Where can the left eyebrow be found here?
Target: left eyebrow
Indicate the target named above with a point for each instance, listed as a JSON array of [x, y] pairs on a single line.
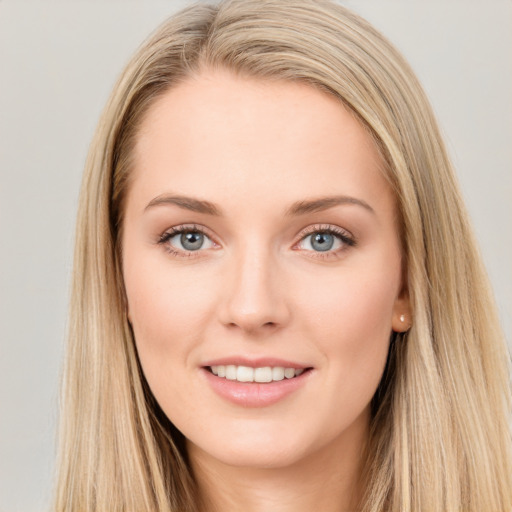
[[324, 203]]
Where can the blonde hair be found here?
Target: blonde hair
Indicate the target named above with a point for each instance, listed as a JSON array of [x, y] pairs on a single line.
[[440, 432]]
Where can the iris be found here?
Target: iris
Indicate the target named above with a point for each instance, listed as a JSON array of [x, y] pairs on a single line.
[[322, 241], [192, 241]]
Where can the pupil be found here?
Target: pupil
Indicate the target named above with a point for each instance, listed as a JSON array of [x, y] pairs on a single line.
[[322, 242], [192, 241]]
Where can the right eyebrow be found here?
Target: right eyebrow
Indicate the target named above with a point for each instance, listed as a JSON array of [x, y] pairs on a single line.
[[185, 202]]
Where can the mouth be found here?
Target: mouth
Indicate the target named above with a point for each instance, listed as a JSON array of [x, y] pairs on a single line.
[[256, 383], [263, 374]]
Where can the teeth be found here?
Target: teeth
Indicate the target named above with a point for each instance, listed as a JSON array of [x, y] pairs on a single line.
[[249, 374], [231, 372], [245, 374], [263, 374], [278, 373], [289, 373]]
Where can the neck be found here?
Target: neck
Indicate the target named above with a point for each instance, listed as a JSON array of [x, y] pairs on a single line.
[[328, 479]]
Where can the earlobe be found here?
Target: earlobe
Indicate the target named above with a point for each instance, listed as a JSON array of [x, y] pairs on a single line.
[[402, 324], [401, 320], [402, 317]]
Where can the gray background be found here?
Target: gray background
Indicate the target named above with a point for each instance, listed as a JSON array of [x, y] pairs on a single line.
[[58, 62]]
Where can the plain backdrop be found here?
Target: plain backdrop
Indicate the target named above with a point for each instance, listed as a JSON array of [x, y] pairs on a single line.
[[58, 62]]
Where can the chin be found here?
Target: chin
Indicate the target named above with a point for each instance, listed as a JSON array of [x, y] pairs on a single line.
[[264, 448], [271, 457]]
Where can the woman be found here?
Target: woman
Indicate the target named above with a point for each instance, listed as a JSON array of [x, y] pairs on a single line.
[[277, 298]]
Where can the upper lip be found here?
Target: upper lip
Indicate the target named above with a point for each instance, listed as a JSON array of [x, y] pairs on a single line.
[[258, 362]]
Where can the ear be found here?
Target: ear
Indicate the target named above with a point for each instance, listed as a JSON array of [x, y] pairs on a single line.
[[127, 309], [401, 320], [126, 306]]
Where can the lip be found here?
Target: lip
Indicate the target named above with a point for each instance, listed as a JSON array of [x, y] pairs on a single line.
[[258, 362], [255, 394]]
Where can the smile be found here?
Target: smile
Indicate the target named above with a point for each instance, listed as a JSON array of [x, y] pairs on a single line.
[[249, 374], [256, 386]]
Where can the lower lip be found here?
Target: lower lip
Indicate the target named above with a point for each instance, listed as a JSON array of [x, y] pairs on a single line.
[[255, 394]]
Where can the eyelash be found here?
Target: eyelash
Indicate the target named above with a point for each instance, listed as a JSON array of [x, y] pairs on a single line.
[[180, 230], [342, 235], [347, 240]]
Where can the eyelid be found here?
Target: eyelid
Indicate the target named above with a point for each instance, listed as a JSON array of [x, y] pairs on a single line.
[[326, 228], [171, 232], [347, 239]]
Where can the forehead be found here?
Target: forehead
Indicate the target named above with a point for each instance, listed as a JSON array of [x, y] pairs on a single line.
[[217, 134]]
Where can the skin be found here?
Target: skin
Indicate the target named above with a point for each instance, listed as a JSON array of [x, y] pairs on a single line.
[[258, 288]]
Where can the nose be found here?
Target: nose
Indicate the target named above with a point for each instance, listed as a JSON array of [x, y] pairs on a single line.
[[255, 298]]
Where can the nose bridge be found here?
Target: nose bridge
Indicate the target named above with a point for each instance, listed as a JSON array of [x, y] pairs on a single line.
[[255, 295]]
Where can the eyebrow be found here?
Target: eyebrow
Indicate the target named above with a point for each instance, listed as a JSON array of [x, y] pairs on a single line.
[[187, 203], [324, 203], [296, 209]]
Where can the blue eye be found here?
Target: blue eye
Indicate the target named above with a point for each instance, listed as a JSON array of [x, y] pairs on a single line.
[[185, 240], [191, 241], [322, 241], [325, 240]]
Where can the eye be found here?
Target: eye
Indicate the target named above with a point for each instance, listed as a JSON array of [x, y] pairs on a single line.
[[325, 239], [320, 242], [182, 240]]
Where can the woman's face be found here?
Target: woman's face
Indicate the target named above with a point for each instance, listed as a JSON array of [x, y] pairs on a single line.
[[260, 242]]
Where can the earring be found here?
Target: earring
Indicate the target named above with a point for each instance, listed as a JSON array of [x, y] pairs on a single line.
[[402, 318]]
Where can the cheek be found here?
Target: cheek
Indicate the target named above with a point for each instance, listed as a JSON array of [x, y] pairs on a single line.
[[167, 310], [351, 321], [154, 304], [352, 305]]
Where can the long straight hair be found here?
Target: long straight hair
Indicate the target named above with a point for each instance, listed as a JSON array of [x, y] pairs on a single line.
[[440, 429]]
